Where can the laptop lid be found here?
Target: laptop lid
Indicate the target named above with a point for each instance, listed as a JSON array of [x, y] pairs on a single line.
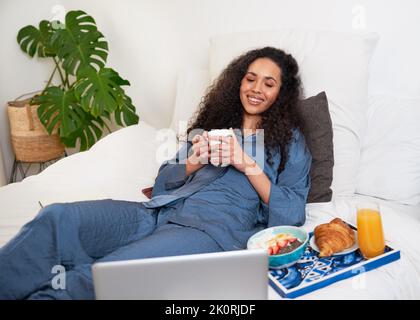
[[235, 275]]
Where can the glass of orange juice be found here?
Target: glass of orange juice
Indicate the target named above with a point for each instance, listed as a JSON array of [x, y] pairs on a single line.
[[370, 233]]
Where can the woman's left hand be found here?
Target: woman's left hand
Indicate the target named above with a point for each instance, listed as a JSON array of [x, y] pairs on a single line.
[[230, 152]]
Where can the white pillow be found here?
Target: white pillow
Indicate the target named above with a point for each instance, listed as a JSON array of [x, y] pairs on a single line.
[[117, 166], [191, 86], [390, 159], [334, 62]]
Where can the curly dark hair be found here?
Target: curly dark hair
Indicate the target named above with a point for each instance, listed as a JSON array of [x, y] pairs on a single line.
[[221, 107]]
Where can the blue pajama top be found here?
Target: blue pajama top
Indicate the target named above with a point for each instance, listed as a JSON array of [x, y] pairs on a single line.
[[222, 202]]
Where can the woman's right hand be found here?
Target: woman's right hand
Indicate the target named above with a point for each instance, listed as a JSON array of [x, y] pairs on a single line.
[[200, 147]]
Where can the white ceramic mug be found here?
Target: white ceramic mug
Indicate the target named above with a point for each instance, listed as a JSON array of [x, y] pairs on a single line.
[[212, 143]]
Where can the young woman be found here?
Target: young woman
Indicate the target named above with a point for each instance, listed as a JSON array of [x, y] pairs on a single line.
[[196, 207]]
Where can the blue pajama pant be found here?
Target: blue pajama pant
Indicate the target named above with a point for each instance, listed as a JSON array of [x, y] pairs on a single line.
[[76, 235]]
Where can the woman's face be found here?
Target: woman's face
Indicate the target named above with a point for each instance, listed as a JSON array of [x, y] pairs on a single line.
[[260, 86]]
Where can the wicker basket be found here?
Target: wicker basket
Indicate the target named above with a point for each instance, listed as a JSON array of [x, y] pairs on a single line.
[[30, 141]]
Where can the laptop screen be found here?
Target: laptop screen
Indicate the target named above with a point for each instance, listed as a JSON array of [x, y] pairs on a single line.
[[232, 275]]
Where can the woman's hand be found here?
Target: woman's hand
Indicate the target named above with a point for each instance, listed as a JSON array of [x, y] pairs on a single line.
[[230, 152], [200, 155], [200, 147]]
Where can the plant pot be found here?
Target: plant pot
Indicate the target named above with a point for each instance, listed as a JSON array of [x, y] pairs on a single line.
[[30, 140]]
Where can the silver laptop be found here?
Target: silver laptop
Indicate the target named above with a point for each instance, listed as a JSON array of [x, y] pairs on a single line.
[[235, 275]]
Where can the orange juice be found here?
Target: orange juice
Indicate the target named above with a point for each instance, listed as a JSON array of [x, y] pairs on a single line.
[[370, 233]]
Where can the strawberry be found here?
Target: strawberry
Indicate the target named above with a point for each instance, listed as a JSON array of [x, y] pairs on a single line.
[[276, 249], [282, 243]]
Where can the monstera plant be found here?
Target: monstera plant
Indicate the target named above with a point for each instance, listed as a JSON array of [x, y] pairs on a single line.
[[89, 92]]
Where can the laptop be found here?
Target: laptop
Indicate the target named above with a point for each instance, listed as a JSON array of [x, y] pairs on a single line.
[[235, 275]]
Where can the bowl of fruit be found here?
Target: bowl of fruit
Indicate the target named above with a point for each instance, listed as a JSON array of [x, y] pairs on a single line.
[[285, 244]]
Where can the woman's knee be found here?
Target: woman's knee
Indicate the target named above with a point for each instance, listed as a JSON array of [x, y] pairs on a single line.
[[52, 212]]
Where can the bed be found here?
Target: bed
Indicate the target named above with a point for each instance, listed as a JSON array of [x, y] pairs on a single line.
[[121, 175], [123, 163]]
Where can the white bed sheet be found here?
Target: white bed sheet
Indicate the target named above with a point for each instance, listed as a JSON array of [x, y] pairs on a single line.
[[123, 163]]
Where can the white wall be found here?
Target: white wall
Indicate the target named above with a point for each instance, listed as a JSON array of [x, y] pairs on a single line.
[[2, 171], [151, 40]]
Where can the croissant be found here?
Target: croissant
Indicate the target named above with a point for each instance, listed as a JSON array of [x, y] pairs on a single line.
[[333, 237]]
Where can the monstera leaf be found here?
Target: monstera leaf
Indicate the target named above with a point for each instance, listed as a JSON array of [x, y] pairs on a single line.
[[128, 111], [88, 133], [100, 91], [80, 44], [59, 107], [33, 40]]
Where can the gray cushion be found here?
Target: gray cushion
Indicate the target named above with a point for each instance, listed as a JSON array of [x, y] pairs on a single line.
[[316, 126]]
